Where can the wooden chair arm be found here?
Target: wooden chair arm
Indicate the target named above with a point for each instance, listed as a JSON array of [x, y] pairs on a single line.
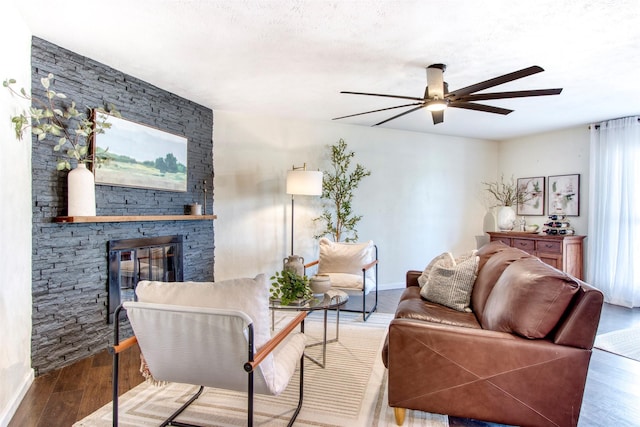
[[312, 263], [129, 342], [271, 345], [371, 264]]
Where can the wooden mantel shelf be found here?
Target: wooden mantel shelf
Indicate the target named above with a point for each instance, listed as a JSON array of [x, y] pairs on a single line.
[[132, 218]]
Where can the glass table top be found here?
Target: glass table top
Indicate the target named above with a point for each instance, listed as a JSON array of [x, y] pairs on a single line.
[[331, 299]]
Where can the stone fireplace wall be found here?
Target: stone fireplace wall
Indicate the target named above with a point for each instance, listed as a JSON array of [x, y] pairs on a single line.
[[70, 271]]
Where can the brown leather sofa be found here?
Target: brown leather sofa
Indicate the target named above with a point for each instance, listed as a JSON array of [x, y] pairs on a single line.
[[520, 358]]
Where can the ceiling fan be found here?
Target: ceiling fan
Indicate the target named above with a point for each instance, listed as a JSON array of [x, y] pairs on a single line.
[[437, 97]]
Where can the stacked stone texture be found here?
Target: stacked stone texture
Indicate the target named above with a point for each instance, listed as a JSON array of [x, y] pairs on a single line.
[[70, 269]]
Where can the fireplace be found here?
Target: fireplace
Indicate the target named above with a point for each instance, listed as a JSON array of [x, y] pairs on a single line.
[[133, 260]]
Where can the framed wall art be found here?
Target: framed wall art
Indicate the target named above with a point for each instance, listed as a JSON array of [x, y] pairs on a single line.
[[141, 156], [531, 193], [564, 195]]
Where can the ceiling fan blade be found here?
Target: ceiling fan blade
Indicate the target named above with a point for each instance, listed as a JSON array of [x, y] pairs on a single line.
[[383, 95], [375, 111], [399, 115], [512, 94], [437, 116], [480, 107], [456, 94]]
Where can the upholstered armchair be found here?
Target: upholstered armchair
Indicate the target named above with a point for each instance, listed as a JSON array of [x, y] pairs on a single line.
[[211, 335], [351, 267]]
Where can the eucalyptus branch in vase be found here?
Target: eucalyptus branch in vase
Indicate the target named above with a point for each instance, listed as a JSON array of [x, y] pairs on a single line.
[[47, 119]]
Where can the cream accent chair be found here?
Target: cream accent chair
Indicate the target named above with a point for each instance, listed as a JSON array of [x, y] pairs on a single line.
[[211, 335], [352, 267]]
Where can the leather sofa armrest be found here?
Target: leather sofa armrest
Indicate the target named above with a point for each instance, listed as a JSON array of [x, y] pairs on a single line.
[[412, 277]]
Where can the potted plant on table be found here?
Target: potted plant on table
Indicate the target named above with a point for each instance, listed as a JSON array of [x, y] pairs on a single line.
[[72, 131], [288, 287]]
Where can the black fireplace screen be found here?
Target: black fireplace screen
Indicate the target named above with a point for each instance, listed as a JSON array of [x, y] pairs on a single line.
[[133, 260]]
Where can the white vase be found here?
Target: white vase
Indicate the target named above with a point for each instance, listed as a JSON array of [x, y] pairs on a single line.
[[506, 218], [81, 192]]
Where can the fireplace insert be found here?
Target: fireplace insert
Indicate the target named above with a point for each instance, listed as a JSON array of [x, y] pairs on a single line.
[[149, 258]]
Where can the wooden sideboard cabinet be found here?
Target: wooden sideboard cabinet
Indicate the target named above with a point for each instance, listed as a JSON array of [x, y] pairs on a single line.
[[561, 252]]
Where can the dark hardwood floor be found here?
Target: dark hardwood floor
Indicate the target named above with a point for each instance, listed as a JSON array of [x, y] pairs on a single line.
[[64, 396]]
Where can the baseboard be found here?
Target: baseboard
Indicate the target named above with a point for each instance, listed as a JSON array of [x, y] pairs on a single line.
[[390, 286], [11, 409]]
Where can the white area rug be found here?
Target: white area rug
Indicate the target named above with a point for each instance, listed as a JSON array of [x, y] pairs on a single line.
[[351, 391], [625, 342]]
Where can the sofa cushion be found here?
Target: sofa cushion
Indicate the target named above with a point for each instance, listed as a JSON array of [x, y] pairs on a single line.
[[250, 296], [495, 257], [412, 306], [450, 284], [528, 299], [445, 258]]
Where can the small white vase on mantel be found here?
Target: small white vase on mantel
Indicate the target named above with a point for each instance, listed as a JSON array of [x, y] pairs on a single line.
[[81, 192], [506, 218]]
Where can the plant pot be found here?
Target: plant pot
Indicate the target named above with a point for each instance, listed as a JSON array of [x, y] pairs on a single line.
[[320, 283], [81, 192], [506, 218]]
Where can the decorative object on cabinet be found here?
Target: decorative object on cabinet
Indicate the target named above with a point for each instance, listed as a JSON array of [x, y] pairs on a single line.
[[558, 225], [142, 156], [564, 195], [530, 196], [506, 196], [562, 252], [337, 189], [506, 218], [301, 182]]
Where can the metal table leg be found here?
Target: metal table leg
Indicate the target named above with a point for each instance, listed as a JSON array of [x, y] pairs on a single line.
[[325, 341]]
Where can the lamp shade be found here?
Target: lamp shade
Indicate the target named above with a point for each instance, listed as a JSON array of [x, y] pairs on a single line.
[[304, 183]]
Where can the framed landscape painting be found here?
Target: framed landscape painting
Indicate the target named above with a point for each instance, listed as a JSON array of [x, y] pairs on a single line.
[[531, 193], [141, 156], [564, 195]]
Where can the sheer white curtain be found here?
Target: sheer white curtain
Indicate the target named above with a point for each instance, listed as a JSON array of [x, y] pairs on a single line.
[[614, 211]]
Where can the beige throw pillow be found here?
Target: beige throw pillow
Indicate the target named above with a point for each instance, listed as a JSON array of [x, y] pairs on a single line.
[[346, 258], [451, 284], [445, 259]]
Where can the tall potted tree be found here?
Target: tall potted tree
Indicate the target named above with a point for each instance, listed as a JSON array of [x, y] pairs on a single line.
[[338, 185]]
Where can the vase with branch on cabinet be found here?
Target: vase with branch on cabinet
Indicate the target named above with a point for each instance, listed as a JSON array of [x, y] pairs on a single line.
[[506, 196], [506, 218]]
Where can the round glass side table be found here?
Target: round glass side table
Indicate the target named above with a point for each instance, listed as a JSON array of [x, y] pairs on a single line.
[[332, 299]]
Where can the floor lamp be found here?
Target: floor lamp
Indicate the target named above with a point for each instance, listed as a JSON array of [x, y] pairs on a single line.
[[301, 182]]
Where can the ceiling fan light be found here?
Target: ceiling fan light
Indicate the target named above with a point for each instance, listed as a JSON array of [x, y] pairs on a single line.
[[436, 105]]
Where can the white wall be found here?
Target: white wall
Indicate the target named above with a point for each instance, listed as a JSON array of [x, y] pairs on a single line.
[[15, 221], [554, 153], [422, 198]]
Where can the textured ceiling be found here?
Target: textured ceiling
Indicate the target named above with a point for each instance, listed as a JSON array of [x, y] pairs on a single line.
[[291, 58]]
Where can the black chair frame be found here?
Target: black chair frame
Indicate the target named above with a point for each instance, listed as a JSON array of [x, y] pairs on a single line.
[[250, 366]]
